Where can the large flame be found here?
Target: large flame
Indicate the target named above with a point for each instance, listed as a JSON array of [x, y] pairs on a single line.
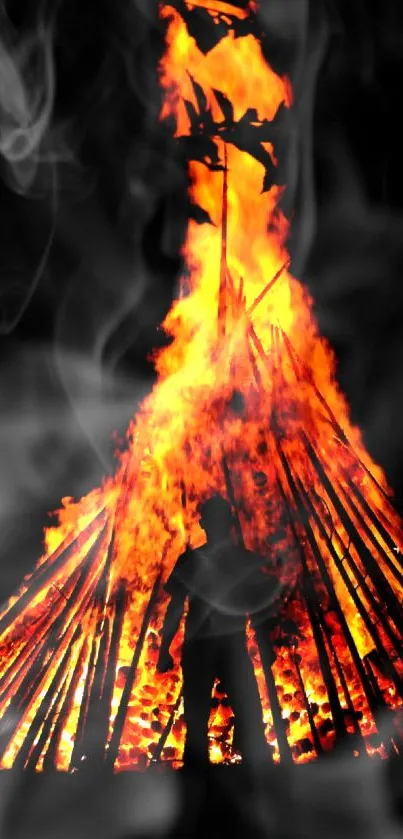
[[246, 392]]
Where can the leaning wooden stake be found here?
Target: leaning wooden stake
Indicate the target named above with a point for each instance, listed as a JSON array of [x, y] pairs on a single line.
[[45, 572], [315, 614], [384, 588], [47, 700], [37, 748], [353, 591], [348, 500], [90, 723], [378, 518], [333, 600], [267, 659], [346, 692], [167, 730], [77, 752], [104, 705], [113, 747], [34, 676], [304, 372], [222, 291], [314, 731], [51, 755]]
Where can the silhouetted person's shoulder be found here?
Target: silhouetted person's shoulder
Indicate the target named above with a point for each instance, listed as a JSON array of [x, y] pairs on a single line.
[[176, 582]]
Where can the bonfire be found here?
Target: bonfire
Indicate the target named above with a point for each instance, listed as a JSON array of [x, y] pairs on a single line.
[[246, 404]]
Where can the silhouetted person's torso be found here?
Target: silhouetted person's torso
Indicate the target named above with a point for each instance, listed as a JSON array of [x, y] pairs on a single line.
[[223, 583]]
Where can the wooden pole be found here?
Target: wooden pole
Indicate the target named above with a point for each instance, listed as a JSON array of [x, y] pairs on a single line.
[[113, 748], [316, 617], [314, 731], [378, 518], [93, 689], [303, 371], [222, 292], [45, 573], [268, 287], [113, 657], [267, 658], [77, 752], [50, 758], [37, 748], [98, 714], [383, 708], [383, 586], [167, 730], [49, 698], [370, 534], [328, 583], [358, 602], [344, 685], [60, 631], [34, 676]]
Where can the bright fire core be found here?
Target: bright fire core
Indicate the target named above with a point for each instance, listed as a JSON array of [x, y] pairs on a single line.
[[246, 404]]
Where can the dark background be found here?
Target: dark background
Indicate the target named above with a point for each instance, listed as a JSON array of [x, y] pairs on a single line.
[[112, 211]]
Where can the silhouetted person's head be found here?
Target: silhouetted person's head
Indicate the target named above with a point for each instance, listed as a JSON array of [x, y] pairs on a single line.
[[216, 518]]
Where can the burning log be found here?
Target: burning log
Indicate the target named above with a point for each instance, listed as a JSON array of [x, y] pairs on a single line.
[[316, 619], [95, 672], [376, 699], [315, 736], [267, 659], [101, 634], [25, 662], [222, 293], [303, 372], [308, 511], [59, 631], [44, 573], [102, 695], [370, 534], [371, 627], [52, 714], [344, 685], [268, 287], [167, 730], [25, 656], [50, 757], [394, 735], [376, 518], [77, 752], [310, 594], [384, 588], [54, 624], [256, 341], [331, 593], [94, 692], [45, 707], [253, 363], [113, 747]]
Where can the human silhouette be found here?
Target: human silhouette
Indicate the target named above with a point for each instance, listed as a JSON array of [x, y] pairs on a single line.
[[222, 584]]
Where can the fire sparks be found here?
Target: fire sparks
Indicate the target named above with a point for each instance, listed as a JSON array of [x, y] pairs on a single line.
[[246, 403]]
